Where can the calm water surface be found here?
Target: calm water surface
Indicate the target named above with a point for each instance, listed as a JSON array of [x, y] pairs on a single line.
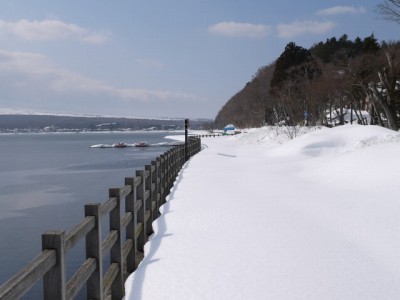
[[45, 180]]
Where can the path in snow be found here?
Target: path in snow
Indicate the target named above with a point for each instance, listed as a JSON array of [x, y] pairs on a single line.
[[252, 219]]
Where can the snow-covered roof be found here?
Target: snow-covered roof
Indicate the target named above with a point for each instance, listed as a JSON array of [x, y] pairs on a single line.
[[230, 127]]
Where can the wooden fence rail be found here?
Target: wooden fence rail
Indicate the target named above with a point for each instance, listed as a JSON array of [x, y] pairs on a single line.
[[143, 195]]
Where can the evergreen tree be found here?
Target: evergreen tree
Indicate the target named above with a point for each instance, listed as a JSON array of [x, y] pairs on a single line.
[[370, 44], [291, 57]]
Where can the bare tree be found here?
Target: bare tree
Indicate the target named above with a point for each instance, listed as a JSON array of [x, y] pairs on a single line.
[[209, 126], [390, 10], [384, 91], [382, 84]]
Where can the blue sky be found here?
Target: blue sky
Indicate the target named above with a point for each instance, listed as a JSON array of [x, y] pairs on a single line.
[[157, 58]]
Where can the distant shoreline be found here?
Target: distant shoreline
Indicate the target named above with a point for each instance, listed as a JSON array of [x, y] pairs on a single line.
[[90, 132], [54, 123]]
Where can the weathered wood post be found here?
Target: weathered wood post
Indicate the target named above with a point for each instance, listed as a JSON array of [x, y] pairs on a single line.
[[159, 183], [149, 200], [141, 239], [182, 154], [167, 172], [55, 279], [186, 140], [117, 287], [163, 178], [93, 249], [174, 163], [130, 203], [155, 183]]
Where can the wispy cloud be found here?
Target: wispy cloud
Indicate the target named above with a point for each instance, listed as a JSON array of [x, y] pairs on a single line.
[[234, 29], [339, 10], [22, 73], [306, 27], [51, 30]]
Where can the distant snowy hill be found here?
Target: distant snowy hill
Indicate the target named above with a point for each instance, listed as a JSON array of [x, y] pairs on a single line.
[[18, 119], [16, 111]]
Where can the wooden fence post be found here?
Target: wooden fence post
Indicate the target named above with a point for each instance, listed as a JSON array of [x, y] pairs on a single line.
[[93, 249], [156, 182], [130, 203], [54, 281], [176, 162], [182, 155], [163, 179], [117, 287], [170, 170], [186, 139], [149, 200], [167, 172], [141, 240]]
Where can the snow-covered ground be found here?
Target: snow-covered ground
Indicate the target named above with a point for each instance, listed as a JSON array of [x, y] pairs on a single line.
[[262, 216]]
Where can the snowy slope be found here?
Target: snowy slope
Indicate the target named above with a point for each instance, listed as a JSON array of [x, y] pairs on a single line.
[[260, 216]]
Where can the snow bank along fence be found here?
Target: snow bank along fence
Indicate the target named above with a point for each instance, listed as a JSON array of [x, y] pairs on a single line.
[[143, 195]]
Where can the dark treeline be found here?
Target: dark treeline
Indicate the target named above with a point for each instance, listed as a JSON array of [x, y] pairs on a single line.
[[315, 85]]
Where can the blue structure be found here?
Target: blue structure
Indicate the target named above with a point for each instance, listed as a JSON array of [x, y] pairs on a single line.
[[229, 128]]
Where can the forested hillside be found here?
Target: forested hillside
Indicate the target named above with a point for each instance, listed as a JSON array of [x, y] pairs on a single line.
[[316, 85]]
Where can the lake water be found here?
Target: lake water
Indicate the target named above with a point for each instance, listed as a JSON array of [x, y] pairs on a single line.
[[45, 180]]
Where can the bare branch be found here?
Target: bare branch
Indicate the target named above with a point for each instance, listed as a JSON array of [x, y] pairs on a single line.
[[390, 10]]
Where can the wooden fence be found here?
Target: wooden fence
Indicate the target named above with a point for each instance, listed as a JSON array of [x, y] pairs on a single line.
[[215, 134], [211, 135], [143, 195]]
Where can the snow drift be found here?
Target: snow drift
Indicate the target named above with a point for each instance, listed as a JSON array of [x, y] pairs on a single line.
[[260, 216]]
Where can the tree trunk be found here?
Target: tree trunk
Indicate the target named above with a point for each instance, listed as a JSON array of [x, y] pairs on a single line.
[[378, 98]]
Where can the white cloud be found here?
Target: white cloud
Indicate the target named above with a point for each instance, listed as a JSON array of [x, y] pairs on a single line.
[[25, 62], [339, 10], [51, 30], [306, 27], [31, 78], [233, 29]]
